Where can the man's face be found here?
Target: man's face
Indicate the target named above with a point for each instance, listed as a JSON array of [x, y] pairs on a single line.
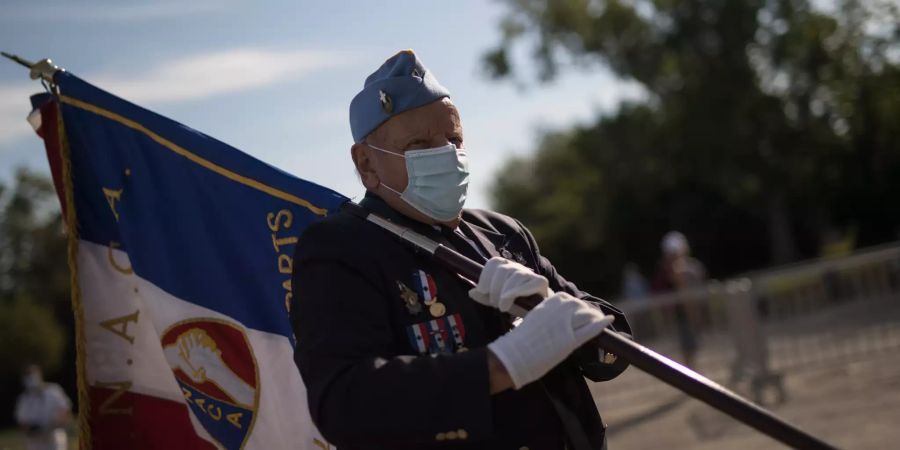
[[433, 125], [32, 377]]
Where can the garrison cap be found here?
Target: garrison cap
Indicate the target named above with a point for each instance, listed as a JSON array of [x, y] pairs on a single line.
[[400, 84]]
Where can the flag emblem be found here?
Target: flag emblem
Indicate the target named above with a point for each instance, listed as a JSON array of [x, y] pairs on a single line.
[[217, 373]]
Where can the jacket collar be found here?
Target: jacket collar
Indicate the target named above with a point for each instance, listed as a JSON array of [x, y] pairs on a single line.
[[377, 205], [489, 240]]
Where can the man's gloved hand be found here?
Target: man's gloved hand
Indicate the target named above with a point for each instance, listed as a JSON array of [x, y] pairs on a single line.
[[551, 331], [502, 281]]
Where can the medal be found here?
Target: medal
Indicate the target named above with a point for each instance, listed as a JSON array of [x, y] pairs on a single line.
[[410, 299], [442, 335], [438, 330], [436, 308], [457, 331], [427, 290]]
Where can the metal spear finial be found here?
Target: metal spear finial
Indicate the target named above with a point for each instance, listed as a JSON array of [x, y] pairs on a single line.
[[43, 69]]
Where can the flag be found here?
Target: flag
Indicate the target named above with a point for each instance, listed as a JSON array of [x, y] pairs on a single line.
[[180, 249]]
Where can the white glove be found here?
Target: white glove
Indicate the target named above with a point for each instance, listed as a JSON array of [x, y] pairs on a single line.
[[503, 281], [551, 331]]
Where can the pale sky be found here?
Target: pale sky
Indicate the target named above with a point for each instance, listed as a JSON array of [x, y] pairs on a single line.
[[275, 78]]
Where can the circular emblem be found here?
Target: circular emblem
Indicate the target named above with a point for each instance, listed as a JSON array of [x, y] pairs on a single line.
[[218, 375]]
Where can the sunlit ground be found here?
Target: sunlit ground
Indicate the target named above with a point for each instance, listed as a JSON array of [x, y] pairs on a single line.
[[842, 381], [12, 440]]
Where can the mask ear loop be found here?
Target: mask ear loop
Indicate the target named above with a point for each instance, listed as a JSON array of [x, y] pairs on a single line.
[[400, 155], [379, 179], [390, 188]]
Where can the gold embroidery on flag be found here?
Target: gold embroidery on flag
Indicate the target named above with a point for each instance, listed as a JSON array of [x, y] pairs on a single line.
[[119, 389]]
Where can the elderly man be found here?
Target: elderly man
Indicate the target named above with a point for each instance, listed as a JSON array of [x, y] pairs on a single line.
[[393, 350]]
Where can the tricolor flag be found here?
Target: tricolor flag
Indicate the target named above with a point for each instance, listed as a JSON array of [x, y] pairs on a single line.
[[181, 253]]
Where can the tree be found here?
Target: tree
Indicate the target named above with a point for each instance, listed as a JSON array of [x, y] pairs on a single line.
[[36, 321], [29, 333], [764, 118]]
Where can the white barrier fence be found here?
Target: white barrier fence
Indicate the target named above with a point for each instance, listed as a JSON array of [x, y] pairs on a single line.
[[750, 330]]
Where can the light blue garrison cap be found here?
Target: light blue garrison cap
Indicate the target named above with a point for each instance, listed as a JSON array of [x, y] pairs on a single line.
[[400, 84]]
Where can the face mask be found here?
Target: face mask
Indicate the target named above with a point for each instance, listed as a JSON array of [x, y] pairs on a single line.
[[438, 180], [31, 381]]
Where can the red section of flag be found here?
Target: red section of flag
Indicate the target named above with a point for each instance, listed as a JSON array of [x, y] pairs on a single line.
[[139, 422], [49, 132], [426, 335], [432, 288], [442, 328]]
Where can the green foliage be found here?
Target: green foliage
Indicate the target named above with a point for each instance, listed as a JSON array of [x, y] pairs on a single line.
[[32, 244], [36, 322], [767, 124], [29, 333]]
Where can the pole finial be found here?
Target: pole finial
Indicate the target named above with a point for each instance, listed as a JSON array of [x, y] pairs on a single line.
[[43, 69]]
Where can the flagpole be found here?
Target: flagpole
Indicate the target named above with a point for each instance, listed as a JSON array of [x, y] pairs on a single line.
[[664, 369], [43, 69]]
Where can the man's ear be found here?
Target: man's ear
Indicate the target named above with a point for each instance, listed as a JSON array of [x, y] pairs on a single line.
[[365, 166]]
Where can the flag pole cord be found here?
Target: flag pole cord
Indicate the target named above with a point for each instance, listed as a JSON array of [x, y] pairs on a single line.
[[651, 362]]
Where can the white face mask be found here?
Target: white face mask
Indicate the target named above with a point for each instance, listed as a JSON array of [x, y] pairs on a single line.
[[438, 179], [31, 381]]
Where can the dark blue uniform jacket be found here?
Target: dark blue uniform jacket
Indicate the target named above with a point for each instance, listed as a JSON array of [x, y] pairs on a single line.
[[387, 369]]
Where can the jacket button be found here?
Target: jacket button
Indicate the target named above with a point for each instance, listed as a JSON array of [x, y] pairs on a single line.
[[440, 436], [463, 434]]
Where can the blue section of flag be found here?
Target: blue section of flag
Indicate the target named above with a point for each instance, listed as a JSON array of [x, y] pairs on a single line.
[[202, 220], [417, 284]]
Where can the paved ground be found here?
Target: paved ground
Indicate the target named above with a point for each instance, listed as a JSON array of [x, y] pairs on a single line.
[[851, 400]]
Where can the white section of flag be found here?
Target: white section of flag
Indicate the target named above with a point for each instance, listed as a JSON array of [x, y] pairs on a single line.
[[436, 333], [34, 119], [283, 419]]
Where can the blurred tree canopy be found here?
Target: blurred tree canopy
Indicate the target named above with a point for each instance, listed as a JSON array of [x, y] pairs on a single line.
[[768, 124], [36, 321]]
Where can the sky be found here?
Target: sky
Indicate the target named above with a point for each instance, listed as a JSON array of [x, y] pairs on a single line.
[[275, 78]]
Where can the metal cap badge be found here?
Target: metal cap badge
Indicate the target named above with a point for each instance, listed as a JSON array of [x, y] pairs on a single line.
[[387, 105]]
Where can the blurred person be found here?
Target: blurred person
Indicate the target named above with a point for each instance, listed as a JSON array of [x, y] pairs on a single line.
[[42, 412], [836, 243], [678, 271], [634, 285], [393, 349], [636, 291]]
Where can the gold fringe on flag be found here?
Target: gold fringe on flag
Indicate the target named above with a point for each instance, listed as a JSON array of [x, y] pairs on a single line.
[[84, 428]]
